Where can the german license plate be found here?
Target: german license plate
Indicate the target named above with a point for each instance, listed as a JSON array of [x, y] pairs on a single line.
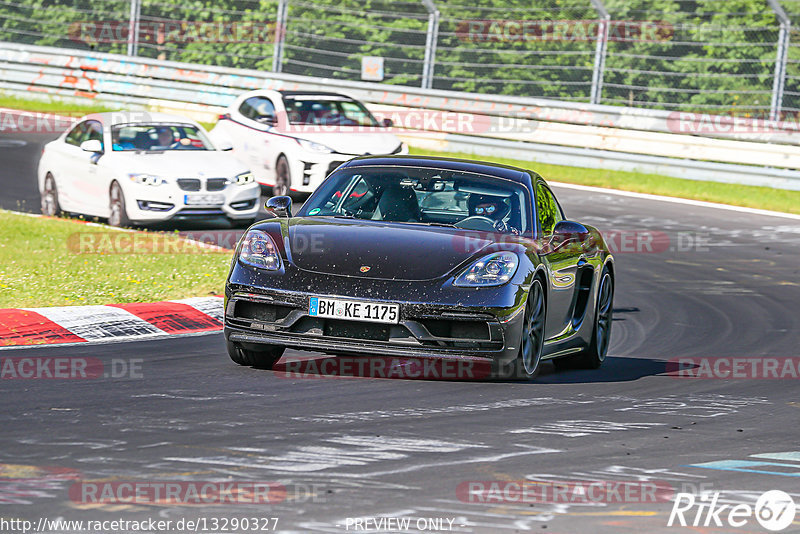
[[204, 200], [353, 310]]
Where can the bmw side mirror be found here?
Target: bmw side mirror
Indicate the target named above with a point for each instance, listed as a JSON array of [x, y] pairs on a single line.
[[92, 145], [388, 123], [279, 206]]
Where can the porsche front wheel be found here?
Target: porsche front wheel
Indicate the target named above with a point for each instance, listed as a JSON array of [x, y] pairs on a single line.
[[260, 359], [531, 345]]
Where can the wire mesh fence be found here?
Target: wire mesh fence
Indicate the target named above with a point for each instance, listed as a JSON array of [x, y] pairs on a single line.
[[739, 57]]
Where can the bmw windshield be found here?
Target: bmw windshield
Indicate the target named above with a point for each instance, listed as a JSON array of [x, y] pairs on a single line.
[[337, 111], [158, 137]]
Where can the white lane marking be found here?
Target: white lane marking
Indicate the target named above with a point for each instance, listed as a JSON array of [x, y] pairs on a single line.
[[98, 322], [675, 200], [374, 415], [211, 306], [579, 427]]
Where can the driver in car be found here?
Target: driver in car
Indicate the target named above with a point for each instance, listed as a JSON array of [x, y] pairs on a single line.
[[493, 208], [166, 138]]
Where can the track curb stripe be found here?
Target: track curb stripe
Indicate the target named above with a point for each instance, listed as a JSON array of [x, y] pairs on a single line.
[[172, 317], [113, 322], [26, 327]]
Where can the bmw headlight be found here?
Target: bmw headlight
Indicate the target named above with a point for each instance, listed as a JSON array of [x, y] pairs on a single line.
[[259, 250], [492, 270], [314, 147], [244, 178], [147, 179]]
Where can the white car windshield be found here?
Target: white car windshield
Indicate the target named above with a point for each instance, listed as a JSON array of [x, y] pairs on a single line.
[[333, 111], [158, 137]]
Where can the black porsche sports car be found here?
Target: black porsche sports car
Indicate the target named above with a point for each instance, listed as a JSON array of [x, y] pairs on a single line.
[[423, 256]]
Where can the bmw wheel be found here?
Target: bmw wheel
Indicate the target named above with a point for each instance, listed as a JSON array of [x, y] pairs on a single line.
[[118, 215], [283, 178], [50, 205]]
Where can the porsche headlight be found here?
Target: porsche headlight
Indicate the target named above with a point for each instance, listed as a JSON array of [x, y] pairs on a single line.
[[492, 270], [314, 147], [244, 178], [259, 250], [147, 179]]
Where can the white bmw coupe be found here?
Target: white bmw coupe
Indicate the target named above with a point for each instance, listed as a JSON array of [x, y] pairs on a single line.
[[292, 140], [141, 167]]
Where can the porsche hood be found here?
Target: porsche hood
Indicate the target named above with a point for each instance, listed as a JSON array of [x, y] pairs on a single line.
[[389, 251]]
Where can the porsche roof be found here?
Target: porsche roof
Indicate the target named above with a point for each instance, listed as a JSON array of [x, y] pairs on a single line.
[[492, 169]]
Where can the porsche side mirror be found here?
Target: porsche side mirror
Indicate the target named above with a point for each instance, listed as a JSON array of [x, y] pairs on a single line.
[[570, 229], [387, 123], [225, 146], [92, 145], [569, 233], [279, 206]]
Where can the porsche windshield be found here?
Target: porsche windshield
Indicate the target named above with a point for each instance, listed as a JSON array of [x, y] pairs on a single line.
[[337, 111], [158, 137], [424, 196]]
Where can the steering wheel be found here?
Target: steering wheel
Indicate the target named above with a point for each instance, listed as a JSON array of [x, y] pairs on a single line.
[[477, 222]]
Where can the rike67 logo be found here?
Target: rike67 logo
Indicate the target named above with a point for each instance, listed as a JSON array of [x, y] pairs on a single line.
[[774, 510]]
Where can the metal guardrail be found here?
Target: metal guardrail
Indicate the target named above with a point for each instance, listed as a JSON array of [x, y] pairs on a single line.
[[547, 131]]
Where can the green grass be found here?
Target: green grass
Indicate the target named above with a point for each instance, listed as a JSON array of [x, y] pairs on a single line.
[[58, 106], [72, 108], [765, 198], [41, 264]]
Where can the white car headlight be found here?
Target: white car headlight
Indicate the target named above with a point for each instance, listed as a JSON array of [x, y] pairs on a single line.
[[314, 147], [491, 270], [244, 178], [259, 250], [147, 179]]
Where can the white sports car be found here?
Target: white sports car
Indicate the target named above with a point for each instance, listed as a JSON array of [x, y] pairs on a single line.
[[141, 167], [292, 140]]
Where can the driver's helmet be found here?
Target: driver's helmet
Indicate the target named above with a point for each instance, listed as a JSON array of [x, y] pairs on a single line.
[[490, 206]]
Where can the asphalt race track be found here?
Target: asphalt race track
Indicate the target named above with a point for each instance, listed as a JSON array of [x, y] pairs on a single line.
[[719, 284]]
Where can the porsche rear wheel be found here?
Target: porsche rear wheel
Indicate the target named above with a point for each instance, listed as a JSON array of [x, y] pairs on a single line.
[[531, 346], [595, 353], [260, 359], [283, 178]]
